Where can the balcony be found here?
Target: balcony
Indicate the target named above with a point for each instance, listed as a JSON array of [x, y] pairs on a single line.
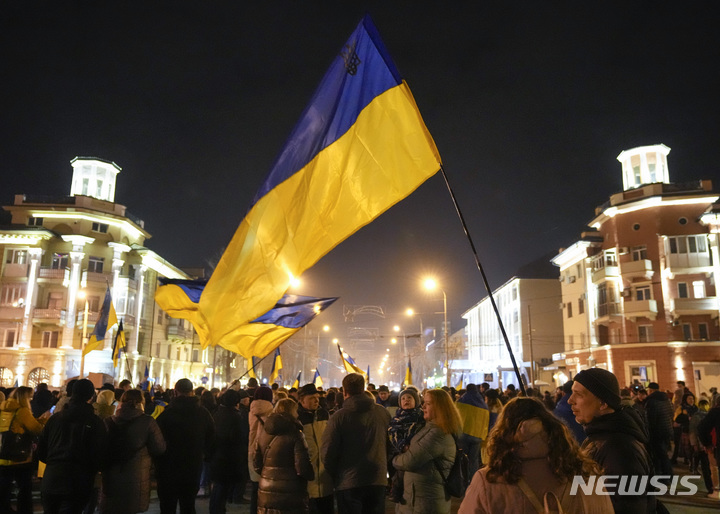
[[694, 306], [52, 273], [49, 314], [602, 274], [637, 269], [640, 309], [176, 333], [91, 276], [607, 313], [9, 313], [15, 270]]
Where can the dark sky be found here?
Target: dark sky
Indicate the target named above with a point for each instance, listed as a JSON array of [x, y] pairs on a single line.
[[529, 103]]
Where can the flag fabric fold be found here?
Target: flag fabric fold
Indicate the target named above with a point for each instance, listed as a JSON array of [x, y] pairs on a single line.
[[251, 368], [296, 384], [276, 367], [359, 147], [118, 344], [317, 379], [408, 374], [349, 363], [106, 319]]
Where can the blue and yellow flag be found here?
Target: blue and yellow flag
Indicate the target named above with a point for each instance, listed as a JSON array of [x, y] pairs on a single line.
[[251, 368], [460, 382], [349, 363], [106, 319], [119, 344], [179, 298], [359, 147], [276, 367], [408, 374], [296, 384], [317, 379]]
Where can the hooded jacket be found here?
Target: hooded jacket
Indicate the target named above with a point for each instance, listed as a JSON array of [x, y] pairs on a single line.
[[618, 443], [659, 411], [259, 411], [314, 423], [281, 459], [19, 420], [355, 444]]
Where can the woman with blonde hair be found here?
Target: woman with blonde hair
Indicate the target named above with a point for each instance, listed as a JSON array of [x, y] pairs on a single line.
[[103, 405], [16, 416], [532, 458], [282, 461], [430, 456]]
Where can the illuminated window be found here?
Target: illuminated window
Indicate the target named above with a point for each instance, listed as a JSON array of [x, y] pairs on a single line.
[[16, 256], [12, 295], [59, 261], [698, 289]]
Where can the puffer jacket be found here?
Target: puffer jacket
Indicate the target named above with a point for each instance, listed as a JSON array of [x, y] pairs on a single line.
[[314, 423], [618, 443], [134, 438], [355, 444], [659, 411], [19, 420], [281, 459], [424, 491], [259, 411]]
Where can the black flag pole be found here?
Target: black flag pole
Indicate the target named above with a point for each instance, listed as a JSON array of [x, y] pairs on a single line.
[[485, 280], [252, 368]]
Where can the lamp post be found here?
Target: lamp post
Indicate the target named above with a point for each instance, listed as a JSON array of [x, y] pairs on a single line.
[[83, 294], [431, 285]]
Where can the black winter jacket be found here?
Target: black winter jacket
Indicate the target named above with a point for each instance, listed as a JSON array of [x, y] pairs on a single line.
[[660, 413], [229, 461]]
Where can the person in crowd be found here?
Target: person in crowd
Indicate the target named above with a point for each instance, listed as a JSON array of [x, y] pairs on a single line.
[[72, 445], [683, 414], [354, 450], [16, 416], [705, 429], [135, 438], [124, 385], [495, 406], [314, 421], [238, 493], [228, 465], [42, 400], [678, 397], [430, 456], [260, 409], [207, 400], [189, 430], [616, 437], [700, 461], [251, 386], [65, 398], [659, 422], [564, 413], [531, 453], [475, 417], [383, 396], [407, 421], [281, 459], [104, 404]]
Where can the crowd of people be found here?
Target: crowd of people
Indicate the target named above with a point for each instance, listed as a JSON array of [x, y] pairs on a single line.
[[350, 449]]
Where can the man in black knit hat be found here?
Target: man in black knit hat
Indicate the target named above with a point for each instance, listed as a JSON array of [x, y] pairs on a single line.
[[616, 436]]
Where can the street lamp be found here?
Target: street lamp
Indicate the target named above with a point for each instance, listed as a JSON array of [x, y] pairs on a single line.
[[83, 295], [431, 285]]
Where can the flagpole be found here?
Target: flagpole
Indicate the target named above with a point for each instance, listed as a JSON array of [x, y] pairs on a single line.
[[485, 280], [84, 339], [252, 368]]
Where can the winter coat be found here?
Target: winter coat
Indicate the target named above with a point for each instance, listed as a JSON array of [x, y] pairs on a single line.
[[403, 427], [424, 490], [564, 413], [705, 427], [483, 496], [355, 444], [314, 423], [259, 411], [659, 412], [281, 459], [23, 421], [73, 446], [188, 430], [134, 437], [41, 402], [694, 424], [617, 442], [229, 463]]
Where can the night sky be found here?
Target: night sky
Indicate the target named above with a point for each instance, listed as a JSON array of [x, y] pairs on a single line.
[[529, 104]]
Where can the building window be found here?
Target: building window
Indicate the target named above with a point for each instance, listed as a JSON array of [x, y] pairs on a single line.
[[95, 264], [169, 349], [59, 261], [93, 303], [687, 331], [8, 337], [642, 293], [645, 333], [35, 222], [12, 295], [16, 257], [682, 290], [160, 317], [581, 306], [579, 270], [50, 339], [195, 355], [569, 309], [639, 253], [514, 293], [607, 300], [688, 244], [698, 289], [177, 354], [703, 333], [100, 227]]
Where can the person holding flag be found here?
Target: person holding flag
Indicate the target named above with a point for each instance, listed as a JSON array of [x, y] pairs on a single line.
[[276, 367]]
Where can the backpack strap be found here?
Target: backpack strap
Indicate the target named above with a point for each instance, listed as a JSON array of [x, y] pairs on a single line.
[[531, 496]]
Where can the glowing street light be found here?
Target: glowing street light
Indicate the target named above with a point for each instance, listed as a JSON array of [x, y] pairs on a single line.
[[430, 284]]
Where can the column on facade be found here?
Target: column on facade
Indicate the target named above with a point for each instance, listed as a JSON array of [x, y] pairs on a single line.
[[139, 300], [34, 255], [73, 286]]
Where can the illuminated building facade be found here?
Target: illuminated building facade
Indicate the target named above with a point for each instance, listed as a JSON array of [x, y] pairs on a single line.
[[59, 256], [639, 288]]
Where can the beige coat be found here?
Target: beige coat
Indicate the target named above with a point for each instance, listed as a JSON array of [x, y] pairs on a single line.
[[259, 411]]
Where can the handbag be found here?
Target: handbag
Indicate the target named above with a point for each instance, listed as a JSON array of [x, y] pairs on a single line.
[[457, 480], [13, 446]]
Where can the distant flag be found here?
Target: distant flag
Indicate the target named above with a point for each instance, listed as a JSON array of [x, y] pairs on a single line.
[[349, 363], [251, 368], [17, 382], [106, 319], [179, 299], [460, 382], [146, 378], [118, 344], [276, 367], [368, 373], [408, 374], [296, 384], [359, 147], [317, 379]]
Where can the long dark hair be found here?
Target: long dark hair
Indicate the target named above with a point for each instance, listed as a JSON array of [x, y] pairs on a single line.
[[566, 459]]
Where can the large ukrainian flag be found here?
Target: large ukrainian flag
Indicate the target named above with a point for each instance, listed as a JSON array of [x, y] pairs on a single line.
[[359, 147]]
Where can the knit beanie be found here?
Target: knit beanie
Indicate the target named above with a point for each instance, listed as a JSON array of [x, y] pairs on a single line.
[[83, 390], [603, 384], [263, 393], [412, 393]]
